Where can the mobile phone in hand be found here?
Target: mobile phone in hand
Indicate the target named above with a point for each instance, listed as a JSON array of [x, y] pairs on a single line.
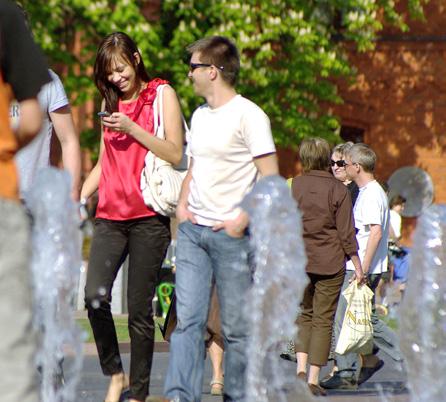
[[104, 114]]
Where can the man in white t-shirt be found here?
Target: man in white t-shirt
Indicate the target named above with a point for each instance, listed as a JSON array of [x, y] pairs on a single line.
[[230, 146], [371, 213], [36, 155]]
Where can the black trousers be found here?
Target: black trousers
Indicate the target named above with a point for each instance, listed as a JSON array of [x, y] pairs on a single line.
[[145, 241]]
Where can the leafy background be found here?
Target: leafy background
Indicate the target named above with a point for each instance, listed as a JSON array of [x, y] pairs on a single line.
[[292, 51]]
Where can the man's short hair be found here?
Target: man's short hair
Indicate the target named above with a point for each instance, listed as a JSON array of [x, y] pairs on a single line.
[[220, 52], [314, 154], [364, 155]]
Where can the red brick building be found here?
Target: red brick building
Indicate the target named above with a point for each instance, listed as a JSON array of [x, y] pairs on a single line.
[[398, 103]]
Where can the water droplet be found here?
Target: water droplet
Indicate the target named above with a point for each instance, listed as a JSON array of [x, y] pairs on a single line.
[[102, 291], [108, 263], [95, 303], [435, 286], [433, 243], [415, 348], [437, 261]]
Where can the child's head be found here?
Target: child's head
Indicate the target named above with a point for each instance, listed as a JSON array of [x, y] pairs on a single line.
[[397, 203], [118, 68]]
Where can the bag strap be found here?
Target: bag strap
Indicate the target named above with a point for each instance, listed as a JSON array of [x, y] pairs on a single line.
[[158, 112]]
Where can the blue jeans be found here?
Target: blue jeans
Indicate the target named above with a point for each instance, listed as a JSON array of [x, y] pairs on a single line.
[[201, 254]]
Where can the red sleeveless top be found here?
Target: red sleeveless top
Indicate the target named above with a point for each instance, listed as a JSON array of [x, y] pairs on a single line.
[[119, 190]]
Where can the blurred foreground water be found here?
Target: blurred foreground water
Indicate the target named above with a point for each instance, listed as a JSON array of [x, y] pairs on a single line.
[[56, 263], [279, 283], [423, 311]]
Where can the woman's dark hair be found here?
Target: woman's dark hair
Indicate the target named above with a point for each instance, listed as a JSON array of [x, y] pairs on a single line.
[[116, 44]]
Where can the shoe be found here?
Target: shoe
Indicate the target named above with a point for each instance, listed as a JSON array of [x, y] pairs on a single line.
[[336, 381], [289, 357], [289, 353], [366, 372], [217, 387], [317, 390], [375, 349]]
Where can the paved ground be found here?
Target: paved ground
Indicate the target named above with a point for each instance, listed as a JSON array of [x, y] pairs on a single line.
[[390, 380]]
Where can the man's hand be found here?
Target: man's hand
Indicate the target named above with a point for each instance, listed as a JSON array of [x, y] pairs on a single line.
[[360, 276], [234, 227], [183, 214]]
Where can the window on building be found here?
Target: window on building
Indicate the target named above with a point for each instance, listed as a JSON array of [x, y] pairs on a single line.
[[353, 134]]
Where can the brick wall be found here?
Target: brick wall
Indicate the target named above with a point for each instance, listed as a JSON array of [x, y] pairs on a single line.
[[399, 100]]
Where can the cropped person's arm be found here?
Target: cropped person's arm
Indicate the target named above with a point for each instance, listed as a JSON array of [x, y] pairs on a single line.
[[24, 68], [71, 155]]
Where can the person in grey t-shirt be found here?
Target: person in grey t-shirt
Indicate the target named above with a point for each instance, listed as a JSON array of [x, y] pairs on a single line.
[[57, 117]]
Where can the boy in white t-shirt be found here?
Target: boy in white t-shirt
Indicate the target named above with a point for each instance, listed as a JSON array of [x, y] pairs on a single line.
[[396, 208], [371, 213], [230, 146]]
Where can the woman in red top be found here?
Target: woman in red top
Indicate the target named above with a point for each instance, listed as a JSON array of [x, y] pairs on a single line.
[[124, 224]]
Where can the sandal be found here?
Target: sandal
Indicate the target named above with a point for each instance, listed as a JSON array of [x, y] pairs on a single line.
[[217, 387]]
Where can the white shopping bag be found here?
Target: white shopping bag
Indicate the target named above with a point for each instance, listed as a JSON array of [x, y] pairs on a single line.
[[357, 331]]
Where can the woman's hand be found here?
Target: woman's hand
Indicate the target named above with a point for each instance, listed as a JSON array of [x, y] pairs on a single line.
[[360, 277], [119, 122]]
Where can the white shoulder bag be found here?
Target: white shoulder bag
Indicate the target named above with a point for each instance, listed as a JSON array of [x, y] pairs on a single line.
[[160, 180]]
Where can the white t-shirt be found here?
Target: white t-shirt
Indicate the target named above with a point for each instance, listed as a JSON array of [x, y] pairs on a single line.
[[223, 144], [372, 208], [36, 154], [395, 224]]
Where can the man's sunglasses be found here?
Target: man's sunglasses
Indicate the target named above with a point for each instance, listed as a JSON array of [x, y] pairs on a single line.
[[194, 66], [339, 163]]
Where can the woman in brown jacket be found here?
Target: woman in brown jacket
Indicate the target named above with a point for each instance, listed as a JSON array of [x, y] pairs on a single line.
[[329, 236]]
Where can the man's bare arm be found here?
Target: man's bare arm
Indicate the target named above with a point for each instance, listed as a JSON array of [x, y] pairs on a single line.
[[30, 121], [267, 164], [182, 212], [71, 155], [372, 246]]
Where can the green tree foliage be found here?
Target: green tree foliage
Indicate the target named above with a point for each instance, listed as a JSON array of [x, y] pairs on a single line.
[[291, 50]]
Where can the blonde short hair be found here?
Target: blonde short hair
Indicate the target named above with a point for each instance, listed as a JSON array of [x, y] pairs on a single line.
[[363, 155]]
